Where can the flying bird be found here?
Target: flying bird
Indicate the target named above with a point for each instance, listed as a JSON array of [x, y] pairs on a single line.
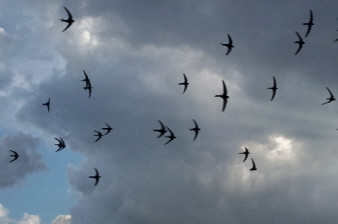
[[15, 155], [99, 135], [61, 144], [171, 136], [162, 131], [196, 129], [108, 129], [47, 104], [228, 45], [185, 83], [335, 40], [309, 24], [224, 96], [86, 79], [253, 165], [330, 99], [246, 153], [273, 88], [300, 43], [96, 177], [69, 20]]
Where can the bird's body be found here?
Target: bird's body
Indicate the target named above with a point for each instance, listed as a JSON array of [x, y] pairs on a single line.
[[86, 79], [171, 136], [246, 153], [69, 20], [15, 155], [47, 104], [329, 99], [162, 131], [228, 45], [300, 43], [309, 24], [185, 83], [224, 96], [108, 129], [273, 88], [253, 165], [96, 177], [89, 87], [196, 129]]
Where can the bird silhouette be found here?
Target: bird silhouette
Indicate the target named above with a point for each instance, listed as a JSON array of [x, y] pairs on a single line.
[[47, 104], [89, 87], [300, 43], [171, 136], [228, 45], [185, 83], [196, 129], [99, 135], [61, 144], [86, 79], [69, 20], [273, 88], [329, 99], [246, 153], [108, 129], [253, 165], [224, 96], [309, 24], [162, 131], [335, 40], [15, 155], [96, 177]]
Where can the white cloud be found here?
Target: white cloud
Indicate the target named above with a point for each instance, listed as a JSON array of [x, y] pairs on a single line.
[[62, 219]]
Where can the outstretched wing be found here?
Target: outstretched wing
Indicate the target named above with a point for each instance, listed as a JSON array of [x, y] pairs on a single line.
[[70, 17]]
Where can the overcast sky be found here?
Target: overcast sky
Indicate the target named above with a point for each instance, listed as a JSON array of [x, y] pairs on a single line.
[[135, 54]]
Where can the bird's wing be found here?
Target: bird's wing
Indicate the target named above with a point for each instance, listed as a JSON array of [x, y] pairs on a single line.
[[309, 24], [274, 82], [246, 156], [196, 126], [273, 94], [96, 172], [70, 17], [162, 126], [225, 92], [331, 95], [246, 150], [90, 92], [66, 27], [230, 40], [185, 78], [253, 163]]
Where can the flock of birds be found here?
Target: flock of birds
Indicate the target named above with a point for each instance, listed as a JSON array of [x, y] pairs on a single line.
[[164, 129]]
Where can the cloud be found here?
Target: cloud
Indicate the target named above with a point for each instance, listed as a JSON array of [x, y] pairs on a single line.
[[62, 219]]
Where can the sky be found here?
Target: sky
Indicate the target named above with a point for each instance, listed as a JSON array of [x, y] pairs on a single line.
[[135, 54]]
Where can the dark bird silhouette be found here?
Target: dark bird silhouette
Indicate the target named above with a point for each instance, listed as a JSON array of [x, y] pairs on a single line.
[[185, 83], [108, 129], [96, 177], [300, 43], [224, 96], [196, 129], [162, 131], [246, 153], [89, 87], [228, 45], [273, 88], [61, 144], [69, 20], [15, 155], [99, 135], [335, 40], [47, 104], [309, 24], [171, 136], [330, 99], [253, 165], [86, 79]]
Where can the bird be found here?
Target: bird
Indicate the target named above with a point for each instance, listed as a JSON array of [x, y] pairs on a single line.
[[329, 99], [224, 96], [86, 79], [162, 131], [335, 40], [196, 129], [309, 24], [171, 136], [108, 129], [89, 87], [300, 43], [69, 20], [246, 153], [185, 83], [15, 155], [99, 135], [96, 177], [47, 104], [228, 45], [274, 88], [61, 144], [253, 165]]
